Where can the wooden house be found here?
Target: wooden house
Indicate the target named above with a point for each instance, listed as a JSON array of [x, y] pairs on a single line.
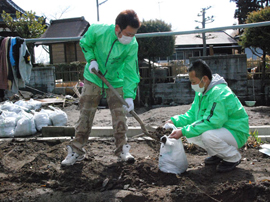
[[67, 51], [217, 43]]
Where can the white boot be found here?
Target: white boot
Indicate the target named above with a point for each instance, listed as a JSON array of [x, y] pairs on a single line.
[[125, 155], [72, 157]]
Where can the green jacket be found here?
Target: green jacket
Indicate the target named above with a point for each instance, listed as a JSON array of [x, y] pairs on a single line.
[[217, 107], [117, 62]]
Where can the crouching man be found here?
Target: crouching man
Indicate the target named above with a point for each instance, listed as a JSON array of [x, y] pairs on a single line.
[[216, 121]]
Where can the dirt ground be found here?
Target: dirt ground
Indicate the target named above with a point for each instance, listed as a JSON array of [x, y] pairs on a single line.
[[30, 170]]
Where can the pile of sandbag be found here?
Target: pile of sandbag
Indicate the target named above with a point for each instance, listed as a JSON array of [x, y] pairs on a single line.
[[22, 118]]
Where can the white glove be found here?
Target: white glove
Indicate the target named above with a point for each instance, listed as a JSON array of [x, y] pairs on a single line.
[[130, 103], [93, 65]]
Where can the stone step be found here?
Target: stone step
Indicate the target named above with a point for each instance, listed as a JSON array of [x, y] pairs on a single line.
[[263, 132]]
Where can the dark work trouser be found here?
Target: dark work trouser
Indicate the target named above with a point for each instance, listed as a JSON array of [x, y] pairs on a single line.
[[89, 100]]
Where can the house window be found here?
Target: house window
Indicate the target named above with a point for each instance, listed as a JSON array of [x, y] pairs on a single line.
[[188, 55], [179, 55], [196, 53]]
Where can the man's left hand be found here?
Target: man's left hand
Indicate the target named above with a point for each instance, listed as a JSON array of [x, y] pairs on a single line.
[[176, 134]]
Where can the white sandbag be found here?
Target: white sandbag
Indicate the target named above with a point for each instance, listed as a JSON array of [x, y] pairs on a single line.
[[172, 158], [7, 126], [9, 106], [29, 105], [21, 103], [42, 119], [25, 125], [34, 104], [58, 117], [8, 114], [49, 112]]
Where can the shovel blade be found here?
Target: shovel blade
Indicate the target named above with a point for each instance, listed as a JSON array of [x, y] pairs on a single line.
[[150, 128]]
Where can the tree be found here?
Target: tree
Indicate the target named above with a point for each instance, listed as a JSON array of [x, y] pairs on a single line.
[[258, 37], [26, 25], [244, 7], [153, 47]]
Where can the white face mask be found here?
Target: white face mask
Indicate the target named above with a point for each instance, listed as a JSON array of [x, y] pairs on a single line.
[[124, 39], [197, 88]]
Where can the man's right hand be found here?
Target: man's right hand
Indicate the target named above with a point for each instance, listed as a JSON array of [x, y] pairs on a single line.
[[93, 65], [169, 121], [176, 134]]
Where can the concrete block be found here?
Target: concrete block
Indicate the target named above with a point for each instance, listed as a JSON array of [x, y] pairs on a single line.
[[56, 131], [262, 130]]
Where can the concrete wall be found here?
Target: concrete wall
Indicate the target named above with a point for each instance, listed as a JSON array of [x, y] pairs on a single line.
[[232, 67], [43, 79]]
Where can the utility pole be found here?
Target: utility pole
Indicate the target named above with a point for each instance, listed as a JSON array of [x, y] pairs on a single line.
[[98, 4], [159, 2], [203, 22]]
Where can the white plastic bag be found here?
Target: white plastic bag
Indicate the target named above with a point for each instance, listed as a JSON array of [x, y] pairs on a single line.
[[25, 125], [29, 105], [172, 158], [169, 125], [6, 114], [21, 103], [34, 104], [7, 126], [58, 117], [42, 119], [9, 106]]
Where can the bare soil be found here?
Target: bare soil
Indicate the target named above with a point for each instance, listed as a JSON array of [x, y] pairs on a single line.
[[30, 170]]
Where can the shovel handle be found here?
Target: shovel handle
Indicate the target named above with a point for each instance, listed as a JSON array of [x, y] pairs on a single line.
[[110, 86], [132, 112]]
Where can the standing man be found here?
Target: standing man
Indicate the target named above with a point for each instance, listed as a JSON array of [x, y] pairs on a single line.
[[112, 50], [216, 121]]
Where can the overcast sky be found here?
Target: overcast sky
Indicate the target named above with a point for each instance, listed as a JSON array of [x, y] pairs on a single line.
[[181, 14]]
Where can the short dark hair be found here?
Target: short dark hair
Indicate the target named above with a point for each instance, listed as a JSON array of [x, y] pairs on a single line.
[[128, 18], [201, 69]]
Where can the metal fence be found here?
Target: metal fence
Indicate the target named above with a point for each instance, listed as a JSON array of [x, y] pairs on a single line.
[[75, 73], [158, 34]]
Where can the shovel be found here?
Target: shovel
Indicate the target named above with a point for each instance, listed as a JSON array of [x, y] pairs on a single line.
[[132, 112]]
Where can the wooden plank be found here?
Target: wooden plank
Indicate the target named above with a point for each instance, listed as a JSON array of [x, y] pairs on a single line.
[[51, 100]]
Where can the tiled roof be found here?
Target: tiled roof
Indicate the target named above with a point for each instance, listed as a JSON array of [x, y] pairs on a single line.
[[17, 8], [70, 27], [9, 7]]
